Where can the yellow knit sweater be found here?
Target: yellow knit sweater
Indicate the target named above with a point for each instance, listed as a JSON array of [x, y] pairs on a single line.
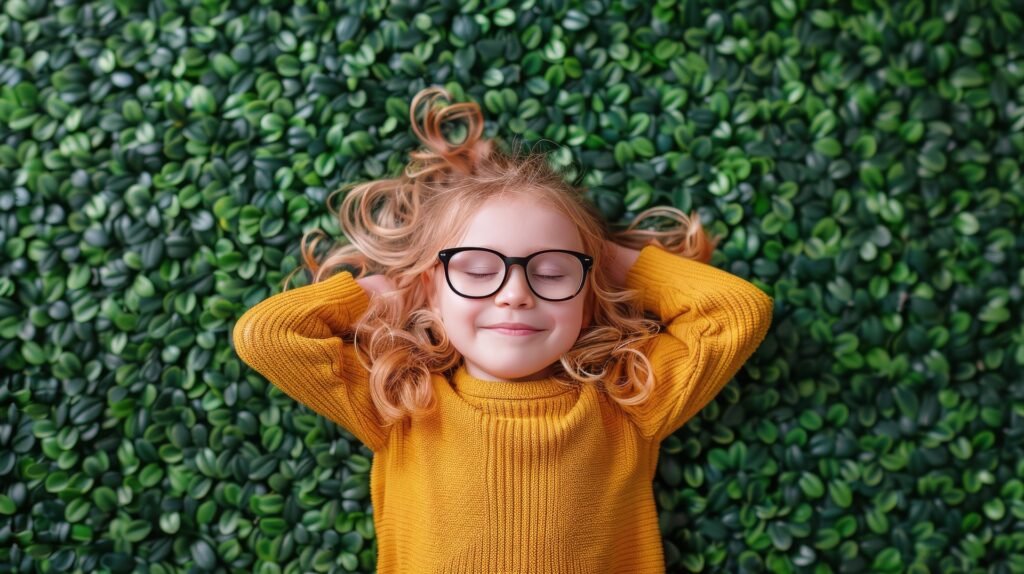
[[516, 476]]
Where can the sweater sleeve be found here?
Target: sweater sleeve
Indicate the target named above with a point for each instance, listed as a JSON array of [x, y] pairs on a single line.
[[714, 321], [293, 339]]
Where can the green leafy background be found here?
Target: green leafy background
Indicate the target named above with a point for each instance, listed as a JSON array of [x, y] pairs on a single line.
[[159, 161]]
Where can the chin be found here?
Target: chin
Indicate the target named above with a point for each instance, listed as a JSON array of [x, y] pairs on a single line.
[[514, 376]]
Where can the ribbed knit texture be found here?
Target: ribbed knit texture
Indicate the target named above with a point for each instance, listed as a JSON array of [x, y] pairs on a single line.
[[516, 476]]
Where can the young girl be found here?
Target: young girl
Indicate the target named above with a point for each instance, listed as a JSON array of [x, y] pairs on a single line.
[[499, 363]]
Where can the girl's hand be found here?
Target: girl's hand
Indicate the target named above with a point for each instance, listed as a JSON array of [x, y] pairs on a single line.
[[376, 284], [622, 260]]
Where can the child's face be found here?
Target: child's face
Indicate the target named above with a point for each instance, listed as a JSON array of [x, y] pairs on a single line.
[[516, 228]]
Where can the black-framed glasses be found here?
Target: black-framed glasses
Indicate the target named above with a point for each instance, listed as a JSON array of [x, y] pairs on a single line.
[[479, 272]]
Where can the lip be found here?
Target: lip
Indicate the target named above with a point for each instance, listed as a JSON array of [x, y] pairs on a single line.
[[513, 332], [517, 329], [506, 325]]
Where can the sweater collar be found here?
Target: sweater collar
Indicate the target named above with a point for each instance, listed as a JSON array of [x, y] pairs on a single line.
[[532, 389]]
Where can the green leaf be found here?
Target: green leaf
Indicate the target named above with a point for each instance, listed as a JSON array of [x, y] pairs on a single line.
[[504, 17], [829, 147], [811, 485], [784, 9], [967, 77], [966, 223], [823, 19], [7, 505], [840, 493]]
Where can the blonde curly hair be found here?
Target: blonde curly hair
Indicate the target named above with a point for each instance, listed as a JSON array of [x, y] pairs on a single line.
[[396, 226]]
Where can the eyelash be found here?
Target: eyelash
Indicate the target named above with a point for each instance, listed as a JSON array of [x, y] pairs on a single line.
[[486, 274]]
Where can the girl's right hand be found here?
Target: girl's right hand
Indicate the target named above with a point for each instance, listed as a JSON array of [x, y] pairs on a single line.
[[376, 284]]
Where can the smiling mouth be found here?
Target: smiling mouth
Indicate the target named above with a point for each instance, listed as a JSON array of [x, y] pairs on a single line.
[[515, 332]]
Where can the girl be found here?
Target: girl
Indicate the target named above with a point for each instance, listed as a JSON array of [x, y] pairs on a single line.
[[499, 363]]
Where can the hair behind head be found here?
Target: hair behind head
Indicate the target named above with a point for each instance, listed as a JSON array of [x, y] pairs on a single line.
[[396, 226]]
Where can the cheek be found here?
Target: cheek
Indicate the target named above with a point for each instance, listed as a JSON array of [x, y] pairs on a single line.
[[460, 313], [572, 317], [588, 312]]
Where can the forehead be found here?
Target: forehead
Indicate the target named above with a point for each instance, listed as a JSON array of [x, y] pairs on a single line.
[[519, 227]]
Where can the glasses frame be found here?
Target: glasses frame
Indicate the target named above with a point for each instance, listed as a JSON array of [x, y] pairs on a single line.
[[445, 256]]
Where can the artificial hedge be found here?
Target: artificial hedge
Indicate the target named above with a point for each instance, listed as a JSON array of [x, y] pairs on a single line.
[[159, 161]]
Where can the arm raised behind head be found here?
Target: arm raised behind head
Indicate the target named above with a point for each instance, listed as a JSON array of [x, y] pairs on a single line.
[[714, 322], [294, 339]]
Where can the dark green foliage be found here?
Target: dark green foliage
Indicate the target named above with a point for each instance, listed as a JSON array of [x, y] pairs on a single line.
[[159, 162]]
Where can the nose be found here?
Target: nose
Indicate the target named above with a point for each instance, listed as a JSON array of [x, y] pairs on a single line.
[[515, 291]]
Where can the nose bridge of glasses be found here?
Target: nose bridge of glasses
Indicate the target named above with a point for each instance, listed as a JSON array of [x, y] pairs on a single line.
[[510, 269]]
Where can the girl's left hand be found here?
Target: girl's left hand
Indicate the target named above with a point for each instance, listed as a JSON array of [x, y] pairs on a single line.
[[621, 261]]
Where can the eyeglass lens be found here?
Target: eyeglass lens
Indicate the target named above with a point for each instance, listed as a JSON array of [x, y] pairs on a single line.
[[553, 275]]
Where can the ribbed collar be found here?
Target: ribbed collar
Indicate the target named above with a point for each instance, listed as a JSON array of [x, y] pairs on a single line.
[[535, 389]]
